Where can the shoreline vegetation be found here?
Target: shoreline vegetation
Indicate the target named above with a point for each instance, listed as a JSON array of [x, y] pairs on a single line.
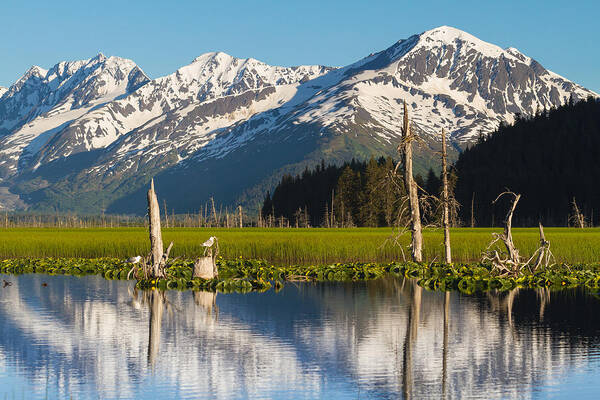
[[244, 276], [301, 255], [291, 246]]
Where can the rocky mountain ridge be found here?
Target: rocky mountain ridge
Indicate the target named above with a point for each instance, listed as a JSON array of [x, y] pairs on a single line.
[[88, 135]]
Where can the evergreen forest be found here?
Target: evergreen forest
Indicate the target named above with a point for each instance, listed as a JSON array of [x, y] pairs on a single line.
[[552, 159]]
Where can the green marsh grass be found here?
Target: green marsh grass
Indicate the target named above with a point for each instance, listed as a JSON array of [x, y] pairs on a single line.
[[290, 246]]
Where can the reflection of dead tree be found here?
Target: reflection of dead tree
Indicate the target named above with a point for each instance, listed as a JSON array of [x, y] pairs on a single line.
[[503, 302], [509, 262], [543, 294], [157, 302], [207, 301], [414, 314], [445, 344], [577, 218]]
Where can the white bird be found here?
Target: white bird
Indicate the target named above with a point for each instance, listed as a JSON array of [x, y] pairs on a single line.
[[134, 260], [209, 242]]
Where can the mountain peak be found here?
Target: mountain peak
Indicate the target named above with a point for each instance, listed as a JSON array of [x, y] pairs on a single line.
[[35, 71], [218, 56], [445, 35], [448, 33]]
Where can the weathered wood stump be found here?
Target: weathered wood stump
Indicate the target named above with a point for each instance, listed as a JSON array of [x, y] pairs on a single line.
[[205, 268], [156, 242]]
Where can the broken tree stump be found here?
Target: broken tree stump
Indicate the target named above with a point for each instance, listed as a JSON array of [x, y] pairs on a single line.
[[544, 254], [156, 242], [205, 268]]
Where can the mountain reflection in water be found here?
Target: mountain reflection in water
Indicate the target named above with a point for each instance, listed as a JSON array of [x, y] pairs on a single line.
[[93, 338]]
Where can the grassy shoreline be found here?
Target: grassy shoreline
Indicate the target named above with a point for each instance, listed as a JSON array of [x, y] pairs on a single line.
[[290, 246]]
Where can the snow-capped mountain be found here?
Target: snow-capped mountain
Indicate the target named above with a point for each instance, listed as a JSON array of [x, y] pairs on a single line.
[[93, 132], [43, 102], [2, 91], [165, 105]]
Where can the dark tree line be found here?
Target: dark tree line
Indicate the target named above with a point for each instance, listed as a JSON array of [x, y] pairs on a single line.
[[307, 192], [551, 159], [363, 193]]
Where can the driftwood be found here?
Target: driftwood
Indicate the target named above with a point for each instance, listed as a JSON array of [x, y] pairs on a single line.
[[509, 263]]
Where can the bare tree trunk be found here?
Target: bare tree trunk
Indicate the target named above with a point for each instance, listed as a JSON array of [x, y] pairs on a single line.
[[166, 214], [578, 217], [473, 210], [156, 242], [544, 253], [411, 185], [214, 212], [332, 214], [445, 201], [241, 221]]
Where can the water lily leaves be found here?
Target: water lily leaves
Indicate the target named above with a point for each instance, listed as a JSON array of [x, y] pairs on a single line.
[[242, 275]]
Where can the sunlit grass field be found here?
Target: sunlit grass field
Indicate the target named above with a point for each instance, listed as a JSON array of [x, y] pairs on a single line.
[[290, 246]]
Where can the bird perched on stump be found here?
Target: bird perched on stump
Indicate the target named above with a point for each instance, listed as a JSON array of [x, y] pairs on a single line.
[[133, 260], [208, 244]]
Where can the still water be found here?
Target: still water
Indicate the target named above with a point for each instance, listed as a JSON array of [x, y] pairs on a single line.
[[89, 338]]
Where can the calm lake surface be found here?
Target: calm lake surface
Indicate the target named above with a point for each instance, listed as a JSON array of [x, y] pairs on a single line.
[[89, 338]]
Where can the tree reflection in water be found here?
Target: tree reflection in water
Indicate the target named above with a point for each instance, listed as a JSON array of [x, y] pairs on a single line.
[[90, 338]]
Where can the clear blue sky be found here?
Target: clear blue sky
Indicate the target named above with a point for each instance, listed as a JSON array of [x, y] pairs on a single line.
[[163, 36]]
